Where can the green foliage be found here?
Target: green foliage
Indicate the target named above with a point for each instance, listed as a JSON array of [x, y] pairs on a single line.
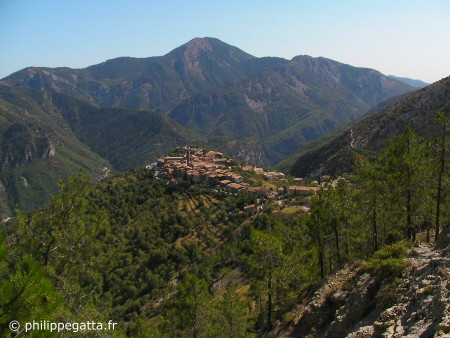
[[165, 260], [25, 292], [37, 148], [370, 134], [191, 313], [389, 261], [391, 293], [233, 315]]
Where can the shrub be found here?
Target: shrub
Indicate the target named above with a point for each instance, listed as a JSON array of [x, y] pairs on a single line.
[[391, 293], [390, 261]]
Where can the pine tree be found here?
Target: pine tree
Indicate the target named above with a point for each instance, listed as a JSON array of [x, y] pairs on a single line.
[[234, 318], [442, 145], [25, 292], [266, 264]]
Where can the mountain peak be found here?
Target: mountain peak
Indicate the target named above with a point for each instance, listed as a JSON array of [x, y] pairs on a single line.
[[195, 46]]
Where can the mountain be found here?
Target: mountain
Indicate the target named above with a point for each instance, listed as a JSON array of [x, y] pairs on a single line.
[[372, 133], [270, 105], [287, 164], [410, 82], [286, 107], [47, 136], [156, 83], [128, 138], [37, 149]]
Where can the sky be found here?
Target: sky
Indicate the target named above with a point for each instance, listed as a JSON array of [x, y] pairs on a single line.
[[404, 38]]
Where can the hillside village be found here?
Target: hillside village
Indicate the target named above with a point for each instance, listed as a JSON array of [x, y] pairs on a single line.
[[213, 169]]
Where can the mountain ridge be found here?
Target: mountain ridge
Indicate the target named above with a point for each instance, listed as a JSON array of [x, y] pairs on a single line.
[[372, 133], [411, 82], [289, 105]]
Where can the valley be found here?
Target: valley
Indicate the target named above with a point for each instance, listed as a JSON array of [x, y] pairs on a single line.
[[126, 112], [211, 193]]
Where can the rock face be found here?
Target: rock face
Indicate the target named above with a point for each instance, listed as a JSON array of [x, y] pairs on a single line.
[[354, 304], [21, 146]]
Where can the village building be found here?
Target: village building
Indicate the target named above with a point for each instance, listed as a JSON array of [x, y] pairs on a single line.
[[259, 171], [302, 190], [169, 159], [214, 169], [298, 181], [224, 183], [235, 187]]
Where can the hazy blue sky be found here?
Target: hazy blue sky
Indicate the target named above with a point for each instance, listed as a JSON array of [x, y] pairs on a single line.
[[408, 38]]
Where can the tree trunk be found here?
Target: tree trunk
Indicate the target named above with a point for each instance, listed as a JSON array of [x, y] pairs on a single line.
[[338, 251], [322, 272], [269, 302], [439, 187], [47, 252], [375, 229]]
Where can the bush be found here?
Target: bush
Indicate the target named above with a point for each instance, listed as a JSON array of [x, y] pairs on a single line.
[[390, 261], [391, 293]]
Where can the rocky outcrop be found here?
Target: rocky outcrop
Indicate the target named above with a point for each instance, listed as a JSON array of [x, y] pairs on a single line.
[[22, 146], [354, 304]]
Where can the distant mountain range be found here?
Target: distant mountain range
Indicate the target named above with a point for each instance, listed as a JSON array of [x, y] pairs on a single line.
[[410, 82], [371, 134], [259, 110], [157, 83], [216, 89]]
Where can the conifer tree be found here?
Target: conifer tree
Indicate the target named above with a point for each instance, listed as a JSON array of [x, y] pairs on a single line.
[[442, 145], [25, 293]]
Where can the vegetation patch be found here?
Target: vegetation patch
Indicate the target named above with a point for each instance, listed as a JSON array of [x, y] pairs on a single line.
[[390, 261]]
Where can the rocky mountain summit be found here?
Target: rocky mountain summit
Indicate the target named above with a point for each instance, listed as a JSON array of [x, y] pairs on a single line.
[[353, 303]]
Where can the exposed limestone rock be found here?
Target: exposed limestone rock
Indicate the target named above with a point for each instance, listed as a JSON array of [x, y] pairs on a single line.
[[21, 146], [257, 106], [350, 303], [339, 297]]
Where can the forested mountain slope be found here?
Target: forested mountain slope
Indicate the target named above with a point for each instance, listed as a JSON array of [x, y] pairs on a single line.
[[48, 136], [371, 134], [290, 105], [38, 149], [218, 90], [161, 256]]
